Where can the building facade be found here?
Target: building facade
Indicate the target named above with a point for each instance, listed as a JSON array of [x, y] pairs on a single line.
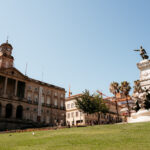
[[25, 101], [74, 117]]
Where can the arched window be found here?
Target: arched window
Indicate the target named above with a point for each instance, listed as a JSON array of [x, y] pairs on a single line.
[[8, 110], [19, 112]]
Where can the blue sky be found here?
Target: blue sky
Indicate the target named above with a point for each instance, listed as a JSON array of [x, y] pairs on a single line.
[[83, 43]]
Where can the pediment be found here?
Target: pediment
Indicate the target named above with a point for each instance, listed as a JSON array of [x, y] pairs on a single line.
[[13, 72]]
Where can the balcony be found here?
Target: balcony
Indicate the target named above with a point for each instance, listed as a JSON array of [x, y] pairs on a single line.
[[54, 106], [48, 105], [62, 108], [43, 104]]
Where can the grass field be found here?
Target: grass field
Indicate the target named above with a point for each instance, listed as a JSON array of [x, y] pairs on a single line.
[[103, 137]]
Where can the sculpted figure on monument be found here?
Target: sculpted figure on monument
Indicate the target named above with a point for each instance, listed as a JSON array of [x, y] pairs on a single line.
[[139, 94], [137, 87], [143, 53]]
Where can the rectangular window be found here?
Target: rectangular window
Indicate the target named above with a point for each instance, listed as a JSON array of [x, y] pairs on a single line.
[[6, 64], [72, 105], [42, 100], [76, 114], [36, 98], [48, 100], [48, 92], [68, 106], [61, 95], [36, 89], [29, 87], [29, 96], [72, 114], [62, 104], [55, 102]]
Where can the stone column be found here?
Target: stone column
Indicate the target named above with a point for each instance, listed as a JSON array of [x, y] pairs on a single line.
[[14, 111], [23, 114], [3, 111], [5, 85], [16, 85]]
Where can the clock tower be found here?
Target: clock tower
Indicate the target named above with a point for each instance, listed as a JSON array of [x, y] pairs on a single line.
[[6, 59]]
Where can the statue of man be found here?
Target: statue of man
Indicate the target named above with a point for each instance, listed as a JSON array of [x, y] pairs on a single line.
[[142, 53]]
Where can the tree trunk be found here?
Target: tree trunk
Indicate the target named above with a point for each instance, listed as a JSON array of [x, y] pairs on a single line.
[[128, 106], [117, 110], [98, 118]]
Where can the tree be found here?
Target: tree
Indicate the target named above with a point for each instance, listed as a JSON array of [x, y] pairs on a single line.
[[84, 103], [125, 89], [91, 104], [100, 106], [114, 89]]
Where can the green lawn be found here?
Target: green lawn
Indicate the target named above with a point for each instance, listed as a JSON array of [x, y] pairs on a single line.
[[104, 137]]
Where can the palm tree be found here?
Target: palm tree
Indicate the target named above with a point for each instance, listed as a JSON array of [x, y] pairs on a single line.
[[125, 89], [114, 89]]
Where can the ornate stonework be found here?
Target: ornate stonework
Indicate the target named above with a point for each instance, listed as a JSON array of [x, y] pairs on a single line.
[[139, 94], [144, 67]]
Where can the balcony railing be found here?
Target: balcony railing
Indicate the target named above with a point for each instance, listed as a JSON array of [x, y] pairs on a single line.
[[48, 105], [62, 108], [43, 104]]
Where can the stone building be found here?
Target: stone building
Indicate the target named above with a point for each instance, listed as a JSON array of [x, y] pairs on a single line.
[[75, 117], [112, 115], [26, 102]]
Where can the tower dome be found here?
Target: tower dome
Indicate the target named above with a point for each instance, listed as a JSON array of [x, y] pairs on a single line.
[[6, 48], [6, 59]]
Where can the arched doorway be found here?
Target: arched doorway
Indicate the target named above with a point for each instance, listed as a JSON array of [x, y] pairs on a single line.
[[19, 112], [8, 110]]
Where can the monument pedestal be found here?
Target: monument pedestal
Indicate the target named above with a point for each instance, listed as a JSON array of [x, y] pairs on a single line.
[[142, 115], [144, 67]]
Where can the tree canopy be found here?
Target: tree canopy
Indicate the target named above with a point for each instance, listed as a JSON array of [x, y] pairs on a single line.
[[91, 103], [114, 88]]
